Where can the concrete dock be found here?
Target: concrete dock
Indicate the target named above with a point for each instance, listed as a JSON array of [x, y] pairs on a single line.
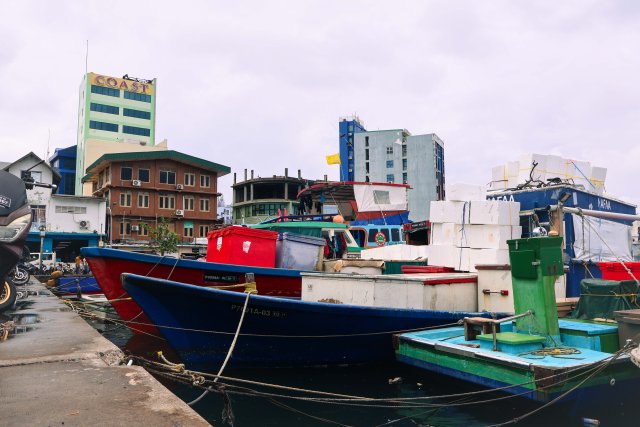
[[56, 370]]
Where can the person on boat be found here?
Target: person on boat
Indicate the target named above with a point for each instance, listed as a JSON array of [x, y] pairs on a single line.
[[78, 264]]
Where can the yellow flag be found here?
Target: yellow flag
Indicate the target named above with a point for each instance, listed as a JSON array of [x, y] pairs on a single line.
[[333, 159]]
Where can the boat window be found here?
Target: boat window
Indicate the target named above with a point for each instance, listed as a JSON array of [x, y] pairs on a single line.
[[372, 235], [360, 237], [347, 237], [395, 235], [385, 231]]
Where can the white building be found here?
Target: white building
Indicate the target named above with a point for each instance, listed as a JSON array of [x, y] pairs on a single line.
[[69, 222]]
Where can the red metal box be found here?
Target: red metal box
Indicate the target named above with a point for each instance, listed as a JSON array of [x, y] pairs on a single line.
[[242, 246], [615, 270]]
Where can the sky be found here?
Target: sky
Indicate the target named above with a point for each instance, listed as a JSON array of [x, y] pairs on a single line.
[[261, 84]]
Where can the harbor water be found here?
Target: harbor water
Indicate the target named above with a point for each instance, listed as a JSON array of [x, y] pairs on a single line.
[[259, 405]]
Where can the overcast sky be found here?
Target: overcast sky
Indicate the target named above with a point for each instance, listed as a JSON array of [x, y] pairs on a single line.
[[260, 85]]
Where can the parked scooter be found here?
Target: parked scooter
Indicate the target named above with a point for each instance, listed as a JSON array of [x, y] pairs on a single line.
[[15, 221]]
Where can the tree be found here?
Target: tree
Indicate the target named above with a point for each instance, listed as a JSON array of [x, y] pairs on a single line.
[[163, 239]]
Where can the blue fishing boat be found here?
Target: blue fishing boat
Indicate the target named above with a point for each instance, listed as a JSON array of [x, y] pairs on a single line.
[[580, 257], [200, 323]]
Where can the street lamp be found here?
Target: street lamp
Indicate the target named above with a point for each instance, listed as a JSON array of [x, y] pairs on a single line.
[[43, 232]]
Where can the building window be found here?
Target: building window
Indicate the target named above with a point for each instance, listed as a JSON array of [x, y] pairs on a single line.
[[404, 178], [143, 175], [110, 127], [205, 181], [167, 201], [133, 130], [390, 178], [143, 229], [125, 199], [404, 164], [125, 228], [190, 179], [136, 113], [101, 108], [389, 163], [188, 202], [366, 165], [204, 230], [389, 150], [125, 173], [404, 150], [143, 200], [71, 209], [188, 231], [366, 141], [366, 154], [167, 177], [204, 205], [101, 90], [137, 96]]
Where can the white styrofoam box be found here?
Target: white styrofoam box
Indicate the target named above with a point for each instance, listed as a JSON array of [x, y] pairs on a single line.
[[513, 169], [496, 212], [526, 164], [495, 279], [395, 252], [578, 169], [417, 291], [598, 176], [448, 211], [481, 236], [465, 192], [449, 256], [487, 257], [499, 178], [448, 233]]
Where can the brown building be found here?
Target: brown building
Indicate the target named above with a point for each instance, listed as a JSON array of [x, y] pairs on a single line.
[[141, 188]]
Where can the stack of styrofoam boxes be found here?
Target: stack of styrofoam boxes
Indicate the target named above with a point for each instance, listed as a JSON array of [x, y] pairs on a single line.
[[396, 252], [468, 230], [582, 173]]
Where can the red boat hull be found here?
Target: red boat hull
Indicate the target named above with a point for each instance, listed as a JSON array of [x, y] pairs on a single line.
[[108, 269]]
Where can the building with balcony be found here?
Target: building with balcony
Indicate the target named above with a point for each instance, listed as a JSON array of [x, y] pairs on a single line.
[[256, 199], [143, 187]]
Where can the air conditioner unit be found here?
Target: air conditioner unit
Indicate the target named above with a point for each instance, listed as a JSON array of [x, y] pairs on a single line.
[[84, 224], [136, 183], [135, 228], [179, 212], [179, 187]]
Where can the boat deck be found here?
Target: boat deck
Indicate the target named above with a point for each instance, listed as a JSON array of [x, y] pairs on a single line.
[[516, 352]]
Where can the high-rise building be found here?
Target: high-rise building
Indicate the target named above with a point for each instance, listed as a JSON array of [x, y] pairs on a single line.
[[115, 115], [396, 156], [347, 128]]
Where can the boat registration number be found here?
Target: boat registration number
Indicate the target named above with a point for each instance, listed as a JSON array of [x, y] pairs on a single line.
[[259, 311]]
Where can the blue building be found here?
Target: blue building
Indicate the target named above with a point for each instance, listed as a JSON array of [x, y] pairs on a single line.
[[64, 162], [347, 128]]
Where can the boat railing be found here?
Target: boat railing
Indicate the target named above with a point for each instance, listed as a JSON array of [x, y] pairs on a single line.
[[495, 322]]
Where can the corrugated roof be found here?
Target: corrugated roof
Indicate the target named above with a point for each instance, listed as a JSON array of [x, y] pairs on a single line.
[[105, 159]]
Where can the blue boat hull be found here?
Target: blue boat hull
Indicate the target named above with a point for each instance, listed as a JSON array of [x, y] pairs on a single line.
[[199, 323]]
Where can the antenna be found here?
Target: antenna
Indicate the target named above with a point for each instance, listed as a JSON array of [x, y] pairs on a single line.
[[48, 140], [86, 59]]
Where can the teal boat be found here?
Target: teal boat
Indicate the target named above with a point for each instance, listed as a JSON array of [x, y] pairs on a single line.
[[531, 354]]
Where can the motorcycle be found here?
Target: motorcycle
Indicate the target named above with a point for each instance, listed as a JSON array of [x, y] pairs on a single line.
[[20, 274], [15, 221]]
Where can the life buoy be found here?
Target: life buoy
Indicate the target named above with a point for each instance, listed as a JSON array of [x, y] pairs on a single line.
[[380, 238]]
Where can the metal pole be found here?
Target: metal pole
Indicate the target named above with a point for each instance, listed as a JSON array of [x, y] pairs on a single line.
[[41, 249]]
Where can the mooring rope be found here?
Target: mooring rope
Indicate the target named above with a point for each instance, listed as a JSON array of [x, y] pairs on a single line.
[[231, 347]]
